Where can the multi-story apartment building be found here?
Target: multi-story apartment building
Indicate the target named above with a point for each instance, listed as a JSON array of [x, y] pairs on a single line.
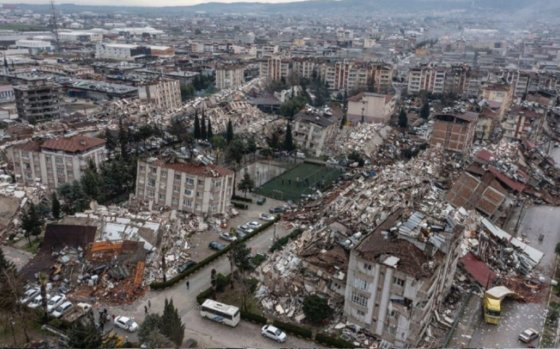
[[312, 131], [523, 124], [274, 68], [427, 78], [499, 94], [56, 161], [165, 93], [229, 76], [454, 132], [398, 277], [38, 100], [129, 52], [305, 67], [185, 186], [370, 107]]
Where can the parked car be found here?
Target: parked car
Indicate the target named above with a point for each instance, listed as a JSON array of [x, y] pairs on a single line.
[[29, 295], [246, 228], [278, 209], [126, 323], [186, 266], [216, 245], [228, 237], [273, 333], [55, 301], [37, 302], [528, 335], [254, 224], [62, 309], [241, 233], [261, 200], [267, 217]]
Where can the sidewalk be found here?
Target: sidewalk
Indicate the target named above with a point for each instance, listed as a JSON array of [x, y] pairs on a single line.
[[466, 326]]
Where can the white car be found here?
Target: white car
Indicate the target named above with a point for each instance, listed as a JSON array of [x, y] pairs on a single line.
[[528, 335], [62, 309], [29, 295], [254, 224], [126, 323], [273, 333], [37, 302], [55, 301], [267, 217]]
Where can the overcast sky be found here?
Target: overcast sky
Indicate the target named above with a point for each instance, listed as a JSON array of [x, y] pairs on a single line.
[[141, 2]]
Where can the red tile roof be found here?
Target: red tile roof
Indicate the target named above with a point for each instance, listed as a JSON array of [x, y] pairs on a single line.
[[29, 146], [478, 270], [510, 183], [195, 169], [484, 155], [75, 144]]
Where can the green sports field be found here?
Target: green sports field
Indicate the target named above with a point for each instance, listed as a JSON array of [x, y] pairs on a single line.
[[299, 180]]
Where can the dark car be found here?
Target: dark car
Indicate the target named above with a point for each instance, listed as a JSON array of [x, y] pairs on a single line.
[[216, 245], [186, 266], [278, 209], [261, 200]]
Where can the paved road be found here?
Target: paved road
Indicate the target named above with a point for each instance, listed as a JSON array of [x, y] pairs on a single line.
[[207, 333]]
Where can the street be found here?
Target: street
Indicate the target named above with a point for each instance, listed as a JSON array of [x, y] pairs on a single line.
[[205, 332]]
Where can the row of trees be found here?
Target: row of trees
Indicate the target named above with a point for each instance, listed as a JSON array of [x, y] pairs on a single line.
[[162, 331], [202, 127]]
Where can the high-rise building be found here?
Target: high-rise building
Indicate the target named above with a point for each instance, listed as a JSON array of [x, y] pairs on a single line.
[[38, 100], [229, 76]]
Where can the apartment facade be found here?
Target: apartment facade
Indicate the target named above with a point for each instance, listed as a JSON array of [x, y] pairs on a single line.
[[196, 188], [38, 100], [370, 107], [230, 76], [274, 68], [454, 132], [56, 161], [313, 132], [165, 93], [396, 281]]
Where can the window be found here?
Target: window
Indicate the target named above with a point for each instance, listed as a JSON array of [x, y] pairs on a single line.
[[367, 266], [188, 192], [359, 299], [361, 284], [398, 281], [187, 202], [361, 313], [189, 181]]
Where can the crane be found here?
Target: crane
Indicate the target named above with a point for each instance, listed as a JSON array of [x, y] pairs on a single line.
[[54, 26]]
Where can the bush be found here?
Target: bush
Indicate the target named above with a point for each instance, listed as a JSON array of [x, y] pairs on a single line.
[[294, 329], [283, 241], [221, 282], [316, 309], [252, 284], [204, 295], [241, 198], [258, 259], [332, 342], [57, 323], [256, 318], [156, 285]]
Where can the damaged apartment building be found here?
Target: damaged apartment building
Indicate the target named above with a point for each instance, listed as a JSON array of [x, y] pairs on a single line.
[[185, 185], [399, 274]]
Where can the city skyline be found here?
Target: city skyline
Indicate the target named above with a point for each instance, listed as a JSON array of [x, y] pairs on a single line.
[[150, 3]]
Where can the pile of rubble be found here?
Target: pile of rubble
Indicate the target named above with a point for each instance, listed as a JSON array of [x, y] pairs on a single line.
[[364, 139]]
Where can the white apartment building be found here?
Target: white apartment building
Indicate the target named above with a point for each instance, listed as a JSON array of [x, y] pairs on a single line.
[[371, 107], [34, 46], [123, 52], [165, 93], [196, 188], [313, 132], [230, 76], [396, 281], [426, 78], [80, 36], [56, 161]]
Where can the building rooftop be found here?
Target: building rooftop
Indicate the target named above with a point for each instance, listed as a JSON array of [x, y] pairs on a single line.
[[75, 144], [195, 169]]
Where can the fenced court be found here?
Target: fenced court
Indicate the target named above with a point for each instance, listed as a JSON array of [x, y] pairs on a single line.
[[304, 178]]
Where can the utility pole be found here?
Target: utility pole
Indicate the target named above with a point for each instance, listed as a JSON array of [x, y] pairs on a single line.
[[54, 27]]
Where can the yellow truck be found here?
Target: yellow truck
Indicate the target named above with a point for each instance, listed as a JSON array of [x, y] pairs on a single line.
[[492, 303]]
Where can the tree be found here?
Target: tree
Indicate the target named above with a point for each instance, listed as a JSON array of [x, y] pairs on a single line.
[[344, 120], [288, 140], [151, 322], [123, 139], [229, 132], [196, 132], [187, 92], [403, 119], [240, 263], [251, 147], [172, 326], [203, 134], [425, 111], [43, 281], [84, 336], [110, 142], [209, 132], [246, 184], [31, 222], [90, 181], [55, 206], [316, 309], [235, 150]]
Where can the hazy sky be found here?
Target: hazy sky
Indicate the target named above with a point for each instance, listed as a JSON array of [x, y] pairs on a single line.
[[141, 2]]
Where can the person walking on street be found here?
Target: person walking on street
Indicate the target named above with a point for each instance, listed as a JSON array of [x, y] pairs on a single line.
[[145, 309], [188, 284], [149, 304]]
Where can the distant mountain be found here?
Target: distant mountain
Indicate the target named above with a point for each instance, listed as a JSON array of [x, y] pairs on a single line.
[[330, 7]]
